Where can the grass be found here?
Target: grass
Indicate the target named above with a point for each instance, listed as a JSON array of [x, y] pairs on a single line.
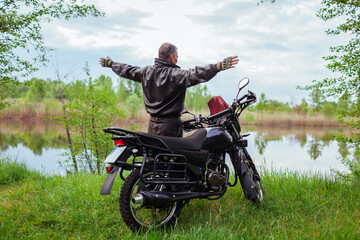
[[24, 109], [267, 118], [12, 171], [296, 206]]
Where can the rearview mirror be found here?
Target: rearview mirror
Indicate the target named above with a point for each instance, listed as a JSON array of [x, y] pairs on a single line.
[[243, 82], [186, 111]]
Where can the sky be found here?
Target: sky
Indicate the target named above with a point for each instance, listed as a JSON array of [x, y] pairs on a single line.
[[280, 45]]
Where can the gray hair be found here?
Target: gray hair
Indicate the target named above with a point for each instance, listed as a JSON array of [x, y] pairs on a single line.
[[166, 50]]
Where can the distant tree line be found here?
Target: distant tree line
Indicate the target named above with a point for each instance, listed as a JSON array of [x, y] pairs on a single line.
[[129, 94], [316, 104]]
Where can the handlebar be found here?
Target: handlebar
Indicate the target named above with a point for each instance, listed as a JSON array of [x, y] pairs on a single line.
[[250, 96], [197, 122]]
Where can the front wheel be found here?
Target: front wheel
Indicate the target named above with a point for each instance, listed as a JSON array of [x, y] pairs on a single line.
[[136, 217]]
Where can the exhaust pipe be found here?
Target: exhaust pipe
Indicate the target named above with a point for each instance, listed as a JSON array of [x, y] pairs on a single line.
[[159, 199], [138, 200]]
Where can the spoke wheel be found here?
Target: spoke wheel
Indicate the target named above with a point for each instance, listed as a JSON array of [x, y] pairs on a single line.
[[136, 217]]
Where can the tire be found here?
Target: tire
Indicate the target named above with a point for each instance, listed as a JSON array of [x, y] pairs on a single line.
[[138, 218]]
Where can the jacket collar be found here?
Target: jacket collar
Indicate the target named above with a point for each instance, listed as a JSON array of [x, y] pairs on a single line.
[[163, 63]]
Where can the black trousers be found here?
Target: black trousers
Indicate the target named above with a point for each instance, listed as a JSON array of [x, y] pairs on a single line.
[[171, 127]]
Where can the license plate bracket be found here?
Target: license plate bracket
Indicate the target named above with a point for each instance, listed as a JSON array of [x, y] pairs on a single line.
[[115, 154]]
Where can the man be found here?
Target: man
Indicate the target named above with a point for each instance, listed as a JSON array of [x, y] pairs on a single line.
[[164, 86]]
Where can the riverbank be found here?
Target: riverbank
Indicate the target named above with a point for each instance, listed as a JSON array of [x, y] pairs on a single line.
[[70, 207], [49, 108]]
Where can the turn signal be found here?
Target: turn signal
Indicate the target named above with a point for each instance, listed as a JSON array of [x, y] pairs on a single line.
[[119, 142]]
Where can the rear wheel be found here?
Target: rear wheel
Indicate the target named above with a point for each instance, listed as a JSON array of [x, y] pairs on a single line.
[[137, 217]]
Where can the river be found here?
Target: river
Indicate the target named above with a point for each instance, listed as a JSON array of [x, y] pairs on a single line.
[[41, 145]]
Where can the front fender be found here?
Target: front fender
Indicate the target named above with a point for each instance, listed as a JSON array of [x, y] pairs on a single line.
[[238, 161], [246, 176]]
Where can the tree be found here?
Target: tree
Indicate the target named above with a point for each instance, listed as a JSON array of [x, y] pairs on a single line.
[[196, 97], [20, 27], [133, 104], [345, 62], [128, 88], [36, 91], [317, 98], [345, 59], [265, 1], [88, 111], [263, 103]]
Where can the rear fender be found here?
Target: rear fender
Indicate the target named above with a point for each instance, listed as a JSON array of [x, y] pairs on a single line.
[[109, 181]]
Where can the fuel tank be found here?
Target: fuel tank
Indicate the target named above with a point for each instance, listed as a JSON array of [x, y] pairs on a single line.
[[217, 139]]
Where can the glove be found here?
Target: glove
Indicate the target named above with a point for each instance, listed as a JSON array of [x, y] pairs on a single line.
[[106, 62], [227, 63]]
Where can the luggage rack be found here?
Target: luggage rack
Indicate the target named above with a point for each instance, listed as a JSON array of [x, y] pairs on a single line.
[[168, 168], [166, 165]]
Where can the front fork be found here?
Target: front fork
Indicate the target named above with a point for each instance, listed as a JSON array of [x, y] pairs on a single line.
[[245, 170]]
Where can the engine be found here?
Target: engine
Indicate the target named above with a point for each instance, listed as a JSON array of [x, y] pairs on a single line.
[[214, 178], [215, 175]]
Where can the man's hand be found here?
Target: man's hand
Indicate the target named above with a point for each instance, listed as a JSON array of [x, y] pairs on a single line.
[[227, 63], [106, 62]]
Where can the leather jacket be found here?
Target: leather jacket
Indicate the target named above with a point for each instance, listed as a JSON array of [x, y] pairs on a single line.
[[164, 84]]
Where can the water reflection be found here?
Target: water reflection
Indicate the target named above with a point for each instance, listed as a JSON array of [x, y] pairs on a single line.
[[297, 148], [41, 144], [35, 135], [314, 139]]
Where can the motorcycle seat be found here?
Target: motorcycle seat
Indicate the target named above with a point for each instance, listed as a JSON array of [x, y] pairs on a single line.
[[193, 142]]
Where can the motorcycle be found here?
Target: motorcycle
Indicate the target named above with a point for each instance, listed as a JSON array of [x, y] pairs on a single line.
[[167, 172]]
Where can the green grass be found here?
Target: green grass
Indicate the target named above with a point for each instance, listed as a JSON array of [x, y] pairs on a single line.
[[11, 171], [296, 206]]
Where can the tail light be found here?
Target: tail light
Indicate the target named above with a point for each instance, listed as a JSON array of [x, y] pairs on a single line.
[[119, 142], [108, 169]]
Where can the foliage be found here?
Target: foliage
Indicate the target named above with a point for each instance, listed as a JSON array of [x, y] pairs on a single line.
[[36, 91], [345, 59], [345, 62], [265, 1], [133, 103], [303, 107], [20, 27], [127, 88], [264, 104], [88, 111], [317, 98], [197, 97], [350, 158]]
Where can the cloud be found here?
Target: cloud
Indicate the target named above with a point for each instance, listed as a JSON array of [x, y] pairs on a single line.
[[111, 31], [280, 45]]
